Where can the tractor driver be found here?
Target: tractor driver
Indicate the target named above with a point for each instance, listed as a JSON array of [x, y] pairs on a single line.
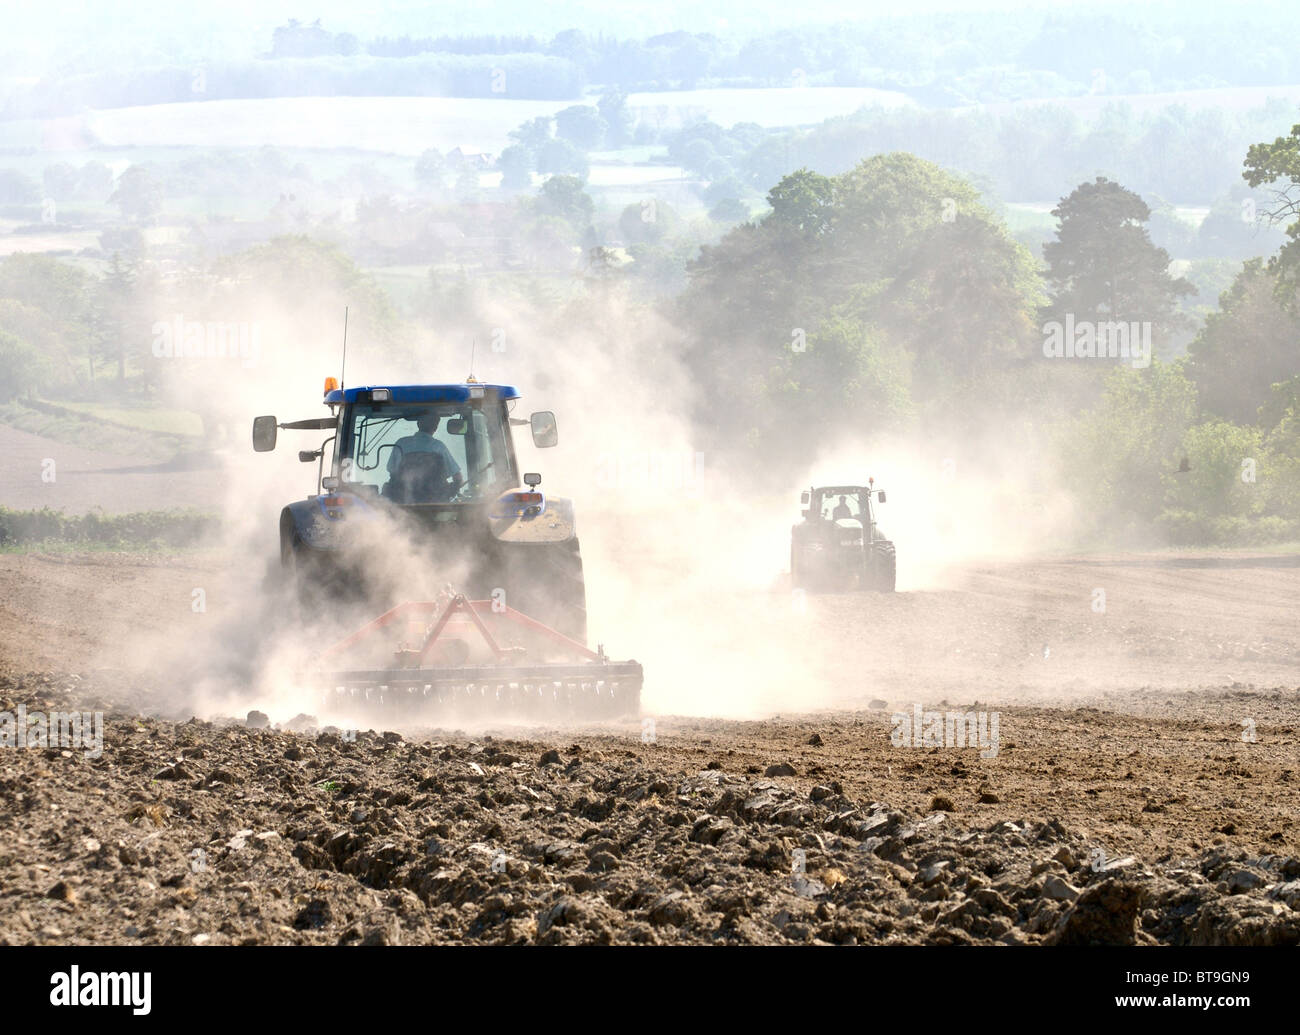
[[842, 510], [424, 442]]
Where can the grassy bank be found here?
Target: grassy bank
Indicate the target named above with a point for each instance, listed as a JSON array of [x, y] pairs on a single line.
[[147, 436], [45, 528]]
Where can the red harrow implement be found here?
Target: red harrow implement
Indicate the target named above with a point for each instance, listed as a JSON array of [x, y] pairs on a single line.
[[445, 658]]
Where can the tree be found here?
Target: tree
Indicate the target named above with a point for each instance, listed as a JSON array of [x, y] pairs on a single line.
[[719, 190], [572, 44], [1277, 167], [60, 181], [618, 119], [803, 202], [729, 210], [309, 282], [1102, 265], [695, 155], [1232, 229], [962, 302], [21, 367], [691, 58], [533, 134], [582, 126], [298, 40], [138, 195], [516, 163], [1250, 343], [559, 156], [1210, 502], [1118, 454], [684, 145], [61, 290], [647, 222], [16, 188], [901, 257], [718, 169], [848, 369], [121, 317], [564, 197]]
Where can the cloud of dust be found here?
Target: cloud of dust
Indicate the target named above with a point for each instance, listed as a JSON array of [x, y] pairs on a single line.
[[686, 554], [988, 496]]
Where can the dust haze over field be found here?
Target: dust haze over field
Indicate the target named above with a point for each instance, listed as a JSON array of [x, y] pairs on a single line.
[[684, 553], [686, 549], [685, 540]]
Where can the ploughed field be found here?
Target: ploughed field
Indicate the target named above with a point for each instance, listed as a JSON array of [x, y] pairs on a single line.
[[1137, 778]]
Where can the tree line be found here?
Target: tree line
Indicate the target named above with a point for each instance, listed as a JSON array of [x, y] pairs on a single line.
[[887, 300], [943, 61]]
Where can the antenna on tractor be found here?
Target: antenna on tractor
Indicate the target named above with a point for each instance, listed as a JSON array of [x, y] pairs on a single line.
[[473, 346], [343, 372]]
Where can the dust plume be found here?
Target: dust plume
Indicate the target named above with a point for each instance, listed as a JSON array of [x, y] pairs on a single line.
[[686, 551]]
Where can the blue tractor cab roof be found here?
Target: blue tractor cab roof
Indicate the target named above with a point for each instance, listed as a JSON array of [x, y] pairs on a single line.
[[424, 393]]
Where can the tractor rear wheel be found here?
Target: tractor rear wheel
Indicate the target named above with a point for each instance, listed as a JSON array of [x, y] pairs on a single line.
[[546, 583], [302, 571], [884, 566]]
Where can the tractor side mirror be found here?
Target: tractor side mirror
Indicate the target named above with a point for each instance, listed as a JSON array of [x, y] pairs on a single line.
[[545, 433], [804, 497], [532, 480], [880, 496], [457, 425], [264, 431]]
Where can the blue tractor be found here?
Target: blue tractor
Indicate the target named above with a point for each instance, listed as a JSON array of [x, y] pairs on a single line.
[[434, 465]]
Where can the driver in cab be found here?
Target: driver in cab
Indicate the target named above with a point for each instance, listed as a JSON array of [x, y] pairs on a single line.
[[424, 442]]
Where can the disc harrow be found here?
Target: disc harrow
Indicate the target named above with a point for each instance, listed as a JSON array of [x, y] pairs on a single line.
[[451, 661]]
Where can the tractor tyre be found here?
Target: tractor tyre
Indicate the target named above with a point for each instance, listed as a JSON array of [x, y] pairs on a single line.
[[304, 574], [548, 585], [884, 566]]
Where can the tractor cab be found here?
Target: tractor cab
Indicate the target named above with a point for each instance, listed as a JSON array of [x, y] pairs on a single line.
[[433, 467], [435, 451], [845, 505], [416, 445]]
